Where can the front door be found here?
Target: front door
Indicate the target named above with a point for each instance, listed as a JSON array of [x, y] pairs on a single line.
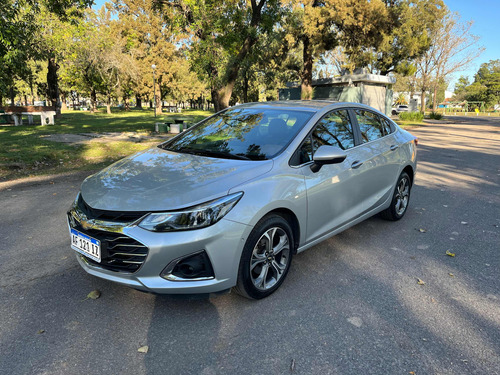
[[332, 191]]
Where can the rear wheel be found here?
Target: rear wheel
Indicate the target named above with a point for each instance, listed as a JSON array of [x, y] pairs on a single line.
[[400, 199], [266, 258]]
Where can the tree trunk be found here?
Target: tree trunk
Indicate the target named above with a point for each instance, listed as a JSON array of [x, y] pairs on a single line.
[[138, 101], [306, 91], [52, 84], [108, 105], [158, 104], [31, 90], [245, 87], [422, 100], [1, 100], [64, 107], [159, 96], [434, 98], [12, 96], [93, 100], [126, 104]]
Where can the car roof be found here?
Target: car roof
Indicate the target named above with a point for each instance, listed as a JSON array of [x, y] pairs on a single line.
[[304, 105]]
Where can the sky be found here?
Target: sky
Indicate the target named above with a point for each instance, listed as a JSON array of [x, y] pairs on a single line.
[[486, 17]]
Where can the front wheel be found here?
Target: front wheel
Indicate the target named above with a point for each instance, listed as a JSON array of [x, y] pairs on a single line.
[[400, 199], [266, 258]]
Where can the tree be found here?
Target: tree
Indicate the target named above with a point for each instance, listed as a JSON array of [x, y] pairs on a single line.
[[385, 35], [309, 24], [461, 88], [149, 39], [488, 76], [221, 36], [20, 39], [17, 43], [486, 85], [454, 49]]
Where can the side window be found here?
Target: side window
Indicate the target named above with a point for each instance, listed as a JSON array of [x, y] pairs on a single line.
[[370, 125], [334, 129], [387, 126], [304, 153]]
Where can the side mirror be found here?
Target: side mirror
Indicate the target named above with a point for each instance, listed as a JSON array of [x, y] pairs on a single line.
[[327, 155]]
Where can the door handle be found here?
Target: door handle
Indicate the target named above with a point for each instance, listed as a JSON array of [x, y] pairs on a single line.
[[394, 147], [356, 164]]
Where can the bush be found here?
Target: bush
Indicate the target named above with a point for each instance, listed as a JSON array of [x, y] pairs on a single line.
[[411, 116], [435, 116]]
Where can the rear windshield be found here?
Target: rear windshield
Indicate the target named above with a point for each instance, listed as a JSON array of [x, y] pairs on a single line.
[[241, 133]]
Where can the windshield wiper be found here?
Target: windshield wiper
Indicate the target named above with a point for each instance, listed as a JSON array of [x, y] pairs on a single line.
[[211, 153]]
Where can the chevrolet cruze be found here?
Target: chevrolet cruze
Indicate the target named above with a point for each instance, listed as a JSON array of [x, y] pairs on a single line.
[[229, 202]]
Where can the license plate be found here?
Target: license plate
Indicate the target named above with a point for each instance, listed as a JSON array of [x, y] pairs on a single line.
[[86, 245]]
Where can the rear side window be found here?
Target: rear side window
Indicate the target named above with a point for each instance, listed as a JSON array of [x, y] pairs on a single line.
[[334, 129], [387, 126], [371, 126]]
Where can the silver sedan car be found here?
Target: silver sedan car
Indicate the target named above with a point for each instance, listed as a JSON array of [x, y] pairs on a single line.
[[229, 202]]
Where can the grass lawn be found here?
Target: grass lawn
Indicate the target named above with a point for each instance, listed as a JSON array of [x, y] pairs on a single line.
[[408, 124], [24, 152]]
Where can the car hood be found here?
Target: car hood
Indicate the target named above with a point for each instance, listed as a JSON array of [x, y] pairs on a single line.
[[156, 179]]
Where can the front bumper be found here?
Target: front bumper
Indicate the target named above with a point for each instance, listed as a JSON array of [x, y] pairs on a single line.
[[223, 242]]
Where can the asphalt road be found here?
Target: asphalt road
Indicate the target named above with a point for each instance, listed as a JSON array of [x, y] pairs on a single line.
[[351, 305]]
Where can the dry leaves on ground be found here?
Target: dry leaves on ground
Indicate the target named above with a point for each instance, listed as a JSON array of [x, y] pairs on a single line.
[[95, 294]]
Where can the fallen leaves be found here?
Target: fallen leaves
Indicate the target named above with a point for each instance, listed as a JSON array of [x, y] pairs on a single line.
[[95, 294], [422, 230], [449, 253], [420, 281], [40, 331], [143, 349]]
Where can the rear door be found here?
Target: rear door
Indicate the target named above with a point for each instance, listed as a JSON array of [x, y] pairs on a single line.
[[378, 156]]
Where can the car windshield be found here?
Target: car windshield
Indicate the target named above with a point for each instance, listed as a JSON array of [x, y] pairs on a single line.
[[241, 133]]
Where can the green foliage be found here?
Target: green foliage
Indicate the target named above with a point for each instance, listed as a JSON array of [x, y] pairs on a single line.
[[21, 38], [411, 116], [461, 88], [394, 32], [486, 85], [435, 116]]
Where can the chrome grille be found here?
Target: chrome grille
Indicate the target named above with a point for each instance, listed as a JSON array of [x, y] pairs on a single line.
[[119, 252]]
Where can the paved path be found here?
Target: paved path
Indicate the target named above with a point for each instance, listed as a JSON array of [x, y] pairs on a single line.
[[350, 305]]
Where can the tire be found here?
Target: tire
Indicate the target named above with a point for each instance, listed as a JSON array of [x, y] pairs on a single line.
[[270, 263], [400, 199]]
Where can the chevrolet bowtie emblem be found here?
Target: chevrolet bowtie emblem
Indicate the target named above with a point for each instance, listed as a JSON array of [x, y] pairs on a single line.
[[86, 224]]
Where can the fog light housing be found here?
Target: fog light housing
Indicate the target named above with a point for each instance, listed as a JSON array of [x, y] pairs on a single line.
[[193, 267]]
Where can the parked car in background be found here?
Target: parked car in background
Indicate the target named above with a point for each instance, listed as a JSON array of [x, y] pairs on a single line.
[[400, 108], [229, 202]]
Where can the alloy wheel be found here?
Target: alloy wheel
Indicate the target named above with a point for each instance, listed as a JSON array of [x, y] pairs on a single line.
[[402, 196], [270, 258]]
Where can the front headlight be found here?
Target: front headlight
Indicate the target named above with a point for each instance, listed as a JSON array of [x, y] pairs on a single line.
[[197, 217]]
